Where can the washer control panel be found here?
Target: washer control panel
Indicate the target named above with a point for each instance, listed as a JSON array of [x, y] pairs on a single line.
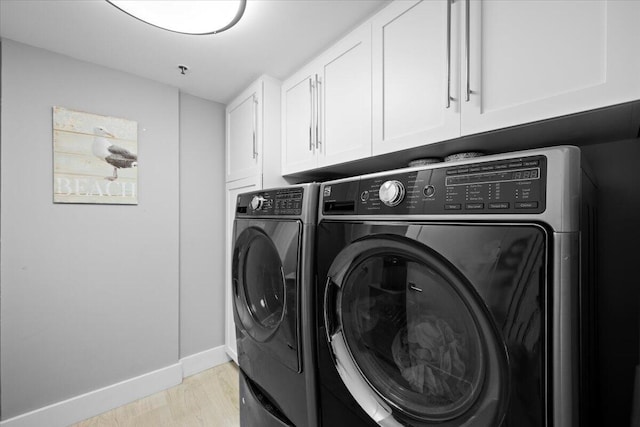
[[513, 186], [283, 201]]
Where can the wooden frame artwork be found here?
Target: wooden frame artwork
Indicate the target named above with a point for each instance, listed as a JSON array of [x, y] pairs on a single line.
[[95, 158]]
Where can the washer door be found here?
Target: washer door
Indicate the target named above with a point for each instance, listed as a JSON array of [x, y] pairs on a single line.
[[265, 286], [259, 284], [412, 340]]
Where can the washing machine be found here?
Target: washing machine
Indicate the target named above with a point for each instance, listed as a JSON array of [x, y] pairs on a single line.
[[458, 294], [272, 273]]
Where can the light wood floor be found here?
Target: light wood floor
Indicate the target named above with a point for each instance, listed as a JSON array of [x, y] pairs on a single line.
[[207, 399]]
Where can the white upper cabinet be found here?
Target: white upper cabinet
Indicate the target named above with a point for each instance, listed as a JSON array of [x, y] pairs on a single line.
[[426, 71], [533, 60], [298, 114], [253, 133], [415, 74], [243, 141], [345, 100], [444, 68], [326, 107]]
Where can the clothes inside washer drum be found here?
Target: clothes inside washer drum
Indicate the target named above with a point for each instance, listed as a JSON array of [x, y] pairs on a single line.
[[431, 358]]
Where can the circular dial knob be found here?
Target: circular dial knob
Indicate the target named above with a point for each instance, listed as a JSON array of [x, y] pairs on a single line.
[[257, 202], [391, 193], [429, 190]]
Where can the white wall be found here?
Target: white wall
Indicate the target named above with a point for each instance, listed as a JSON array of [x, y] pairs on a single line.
[[90, 294], [201, 224]]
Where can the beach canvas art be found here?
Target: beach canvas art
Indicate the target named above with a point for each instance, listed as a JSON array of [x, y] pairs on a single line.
[[95, 158]]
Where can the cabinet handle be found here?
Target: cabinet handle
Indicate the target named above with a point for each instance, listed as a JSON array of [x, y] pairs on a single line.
[[255, 127], [467, 44], [311, 115], [319, 112], [448, 103]]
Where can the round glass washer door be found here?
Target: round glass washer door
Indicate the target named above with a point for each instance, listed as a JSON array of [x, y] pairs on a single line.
[[258, 284], [409, 327]]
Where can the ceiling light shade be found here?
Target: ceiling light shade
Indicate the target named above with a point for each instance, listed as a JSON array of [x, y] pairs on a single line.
[[185, 16]]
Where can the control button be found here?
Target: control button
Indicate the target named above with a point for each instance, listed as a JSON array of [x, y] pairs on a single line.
[[452, 207], [531, 163], [474, 206], [391, 193], [515, 165], [499, 205], [257, 202], [429, 191], [463, 170], [486, 168], [452, 171], [475, 169], [364, 196], [526, 205], [500, 167]]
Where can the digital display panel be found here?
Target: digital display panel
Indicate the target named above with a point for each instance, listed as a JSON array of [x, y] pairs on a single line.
[[480, 178], [526, 174]]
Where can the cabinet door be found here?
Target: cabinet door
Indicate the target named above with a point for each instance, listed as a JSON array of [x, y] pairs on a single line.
[[232, 190], [415, 74], [243, 141], [533, 60], [344, 100], [298, 139]]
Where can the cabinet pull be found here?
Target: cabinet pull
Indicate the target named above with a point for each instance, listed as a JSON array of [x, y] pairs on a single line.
[[319, 112], [255, 126], [311, 115], [467, 44], [448, 103]]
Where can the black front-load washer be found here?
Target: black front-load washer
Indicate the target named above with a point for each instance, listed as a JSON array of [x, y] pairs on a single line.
[[450, 295], [271, 276]]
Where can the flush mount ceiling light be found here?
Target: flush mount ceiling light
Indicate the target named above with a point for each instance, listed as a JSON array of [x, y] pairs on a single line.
[[188, 17]]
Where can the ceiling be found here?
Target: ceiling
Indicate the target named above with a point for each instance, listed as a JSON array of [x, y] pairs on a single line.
[[274, 37]]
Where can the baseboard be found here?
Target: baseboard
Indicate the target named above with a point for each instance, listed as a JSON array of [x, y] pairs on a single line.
[[90, 404], [232, 353], [199, 362], [96, 402]]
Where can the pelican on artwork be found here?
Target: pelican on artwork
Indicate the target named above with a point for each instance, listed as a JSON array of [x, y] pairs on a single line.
[[118, 157]]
